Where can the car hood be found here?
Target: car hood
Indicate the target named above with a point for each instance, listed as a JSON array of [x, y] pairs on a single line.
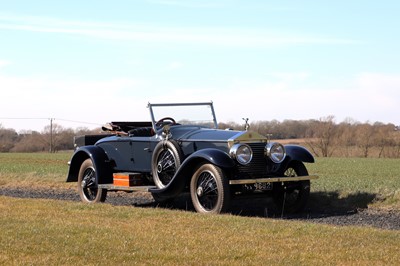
[[206, 134]]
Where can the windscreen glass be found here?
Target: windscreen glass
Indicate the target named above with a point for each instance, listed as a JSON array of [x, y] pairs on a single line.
[[199, 115]]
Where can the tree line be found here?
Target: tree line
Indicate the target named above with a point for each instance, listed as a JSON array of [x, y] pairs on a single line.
[[50, 139], [323, 137], [327, 138]]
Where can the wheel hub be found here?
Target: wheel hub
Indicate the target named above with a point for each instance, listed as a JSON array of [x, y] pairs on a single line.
[[83, 184], [199, 191], [159, 168]]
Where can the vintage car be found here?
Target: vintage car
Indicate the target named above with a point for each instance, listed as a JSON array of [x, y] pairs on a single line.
[[181, 150]]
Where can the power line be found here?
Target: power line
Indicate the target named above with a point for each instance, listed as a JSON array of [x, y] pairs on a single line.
[[51, 125], [24, 118], [79, 122], [52, 119]]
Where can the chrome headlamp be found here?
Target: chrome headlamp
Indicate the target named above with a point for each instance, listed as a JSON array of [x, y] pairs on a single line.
[[275, 151], [242, 153]]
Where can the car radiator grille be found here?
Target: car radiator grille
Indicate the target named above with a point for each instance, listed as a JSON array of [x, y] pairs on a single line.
[[258, 166]]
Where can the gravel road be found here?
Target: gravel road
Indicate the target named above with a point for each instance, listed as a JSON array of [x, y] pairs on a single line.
[[384, 219]]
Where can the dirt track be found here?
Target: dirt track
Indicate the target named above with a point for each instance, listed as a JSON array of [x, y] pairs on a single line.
[[244, 207]]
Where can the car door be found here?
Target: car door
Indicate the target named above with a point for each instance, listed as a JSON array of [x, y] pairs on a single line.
[[141, 153]]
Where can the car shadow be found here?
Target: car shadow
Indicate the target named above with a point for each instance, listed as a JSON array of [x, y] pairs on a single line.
[[320, 204]]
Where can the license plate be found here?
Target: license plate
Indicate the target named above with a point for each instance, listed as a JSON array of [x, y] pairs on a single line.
[[263, 186]]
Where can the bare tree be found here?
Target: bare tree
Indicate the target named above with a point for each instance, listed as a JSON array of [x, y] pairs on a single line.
[[32, 142], [322, 136], [383, 137], [7, 139], [365, 133], [58, 138], [347, 136], [230, 125]]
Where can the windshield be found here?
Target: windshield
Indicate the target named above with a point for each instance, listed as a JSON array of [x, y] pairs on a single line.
[[200, 114]]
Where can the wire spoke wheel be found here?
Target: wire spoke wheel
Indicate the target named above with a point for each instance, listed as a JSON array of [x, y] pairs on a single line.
[[291, 197], [166, 166], [209, 190], [166, 161], [87, 184]]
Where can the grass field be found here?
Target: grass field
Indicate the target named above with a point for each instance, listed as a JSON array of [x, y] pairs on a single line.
[[49, 232], [34, 169], [358, 181]]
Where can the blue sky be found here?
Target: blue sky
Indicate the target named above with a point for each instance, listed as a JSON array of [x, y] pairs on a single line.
[[99, 61]]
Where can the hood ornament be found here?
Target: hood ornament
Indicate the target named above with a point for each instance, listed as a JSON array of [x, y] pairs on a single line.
[[246, 125]]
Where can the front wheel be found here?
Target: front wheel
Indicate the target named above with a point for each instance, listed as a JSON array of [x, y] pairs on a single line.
[[209, 190], [166, 160], [292, 197], [87, 185]]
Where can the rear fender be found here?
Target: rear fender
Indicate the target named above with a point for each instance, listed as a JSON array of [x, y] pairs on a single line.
[[182, 177], [100, 161]]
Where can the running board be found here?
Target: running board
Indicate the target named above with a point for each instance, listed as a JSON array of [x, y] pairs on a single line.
[[272, 180], [122, 188]]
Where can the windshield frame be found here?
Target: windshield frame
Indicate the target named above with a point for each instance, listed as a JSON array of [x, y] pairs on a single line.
[[152, 105]]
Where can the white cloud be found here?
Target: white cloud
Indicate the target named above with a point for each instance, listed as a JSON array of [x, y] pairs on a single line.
[[383, 88], [190, 4], [4, 63], [289, 76], [368, 97], [96, 102], [215, 36], [175, 65]]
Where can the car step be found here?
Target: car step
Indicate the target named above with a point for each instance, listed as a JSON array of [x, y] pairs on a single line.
[[127, 181], [111, 187]]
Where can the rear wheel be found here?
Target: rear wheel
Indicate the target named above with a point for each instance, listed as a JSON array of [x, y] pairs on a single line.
[[209, 190], [87, 184], [292, 197]]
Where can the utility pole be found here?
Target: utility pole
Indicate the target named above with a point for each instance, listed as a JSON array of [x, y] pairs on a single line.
[[51, 135]]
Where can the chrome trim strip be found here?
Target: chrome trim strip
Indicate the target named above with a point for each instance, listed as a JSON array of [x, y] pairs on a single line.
[[272, 180], [203, 140]]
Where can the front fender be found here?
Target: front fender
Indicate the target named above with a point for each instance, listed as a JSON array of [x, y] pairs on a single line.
[[299, 153], [182, 177], [100, 162]]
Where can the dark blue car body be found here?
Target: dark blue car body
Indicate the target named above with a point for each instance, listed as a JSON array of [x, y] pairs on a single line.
[[167, 158]]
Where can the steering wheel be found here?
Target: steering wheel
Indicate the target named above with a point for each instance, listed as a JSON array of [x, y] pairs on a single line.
[[165, 121]]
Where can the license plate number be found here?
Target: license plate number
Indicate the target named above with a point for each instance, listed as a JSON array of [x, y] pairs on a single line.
[[263, 186]]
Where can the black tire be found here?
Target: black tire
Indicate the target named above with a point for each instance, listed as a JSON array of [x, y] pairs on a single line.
[[166, 160], [87, 184], [209, 190], [292, 197]]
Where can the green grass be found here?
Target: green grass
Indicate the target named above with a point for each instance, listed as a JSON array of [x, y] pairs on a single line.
[[354, 181], [359, 179], [34, 169], [47, 232], [356, 174]]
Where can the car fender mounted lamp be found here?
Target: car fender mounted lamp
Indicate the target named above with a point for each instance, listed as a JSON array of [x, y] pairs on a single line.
[[242, 153], [275, 151]]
